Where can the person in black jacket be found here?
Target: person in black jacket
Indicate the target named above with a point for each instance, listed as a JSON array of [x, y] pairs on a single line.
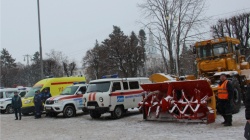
[[17, 104], [247, 114], [225, 99], [38, 104]]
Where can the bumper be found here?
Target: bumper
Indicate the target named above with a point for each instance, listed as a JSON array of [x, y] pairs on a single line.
[[97, 109], [57, 109], [2, 107], [27, 110]]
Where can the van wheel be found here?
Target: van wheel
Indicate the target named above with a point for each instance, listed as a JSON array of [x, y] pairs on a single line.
[[2, 111], [118, 112], [9, 109], [69, 111], [95, 114]]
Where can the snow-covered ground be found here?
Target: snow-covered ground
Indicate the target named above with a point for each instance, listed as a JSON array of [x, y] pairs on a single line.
[[130, 127]]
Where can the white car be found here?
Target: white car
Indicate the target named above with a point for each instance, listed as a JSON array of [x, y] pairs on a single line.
[[69, 102], [6, 95]]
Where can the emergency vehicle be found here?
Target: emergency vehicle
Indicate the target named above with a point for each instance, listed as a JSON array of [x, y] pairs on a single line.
[[113, 95], [68, 102], [6, 95], [54, 85]]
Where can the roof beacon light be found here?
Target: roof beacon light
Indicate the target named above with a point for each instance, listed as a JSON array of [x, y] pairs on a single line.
[[110, 76]]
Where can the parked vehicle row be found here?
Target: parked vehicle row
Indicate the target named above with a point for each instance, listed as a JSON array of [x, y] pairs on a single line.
[[71, 95]]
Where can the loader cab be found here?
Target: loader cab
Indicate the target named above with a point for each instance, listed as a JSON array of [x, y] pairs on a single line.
[[217, 48]]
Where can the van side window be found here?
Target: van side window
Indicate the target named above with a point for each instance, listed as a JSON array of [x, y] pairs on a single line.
[[125, 85], [83, 90], [1, 95], [9, 94], [134, 85], [116, 86]]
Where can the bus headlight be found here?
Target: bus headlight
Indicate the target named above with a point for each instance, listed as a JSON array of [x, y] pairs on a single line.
[[27, 101], [101, 99]]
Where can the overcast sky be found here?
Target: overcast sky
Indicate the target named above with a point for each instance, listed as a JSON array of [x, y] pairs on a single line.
[[72, 26]]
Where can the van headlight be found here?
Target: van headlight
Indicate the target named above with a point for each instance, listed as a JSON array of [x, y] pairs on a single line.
[[2, 102], [27, 101], [101, 99]]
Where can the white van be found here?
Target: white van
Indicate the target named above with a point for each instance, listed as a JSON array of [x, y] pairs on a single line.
[[6, 95], [114, 95]]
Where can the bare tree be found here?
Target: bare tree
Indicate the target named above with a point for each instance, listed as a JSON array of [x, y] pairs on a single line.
[[237, 27], [171, 21]]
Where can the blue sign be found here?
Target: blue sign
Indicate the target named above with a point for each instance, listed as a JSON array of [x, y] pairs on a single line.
[[120, 98]]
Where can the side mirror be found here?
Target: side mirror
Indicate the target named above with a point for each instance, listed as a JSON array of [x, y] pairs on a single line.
[[194, 50]]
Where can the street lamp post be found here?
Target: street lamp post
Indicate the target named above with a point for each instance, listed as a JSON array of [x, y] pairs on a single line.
[[40, 42]]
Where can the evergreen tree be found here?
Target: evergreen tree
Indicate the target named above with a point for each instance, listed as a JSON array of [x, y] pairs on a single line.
[[8, 66]]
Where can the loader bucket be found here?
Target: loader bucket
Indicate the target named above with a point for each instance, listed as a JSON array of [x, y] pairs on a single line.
[[178, 100]]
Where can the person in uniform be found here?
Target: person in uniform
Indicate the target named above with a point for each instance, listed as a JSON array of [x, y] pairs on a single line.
[[17, 104], [225, 99], [247, 114], [38, 104], [45, 95]]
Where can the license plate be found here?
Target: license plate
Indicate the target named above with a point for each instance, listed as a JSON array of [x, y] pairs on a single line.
[[91, 107], [48, 107]]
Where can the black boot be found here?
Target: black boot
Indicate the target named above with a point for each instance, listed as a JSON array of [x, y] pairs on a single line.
[[229, 120], [224, 119]]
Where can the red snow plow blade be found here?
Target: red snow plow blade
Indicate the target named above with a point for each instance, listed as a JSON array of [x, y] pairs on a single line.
[[178, 100]]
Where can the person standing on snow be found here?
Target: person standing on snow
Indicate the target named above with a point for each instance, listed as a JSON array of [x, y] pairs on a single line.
[[38, 104], [225, 96], [247, 114], [17, 104]]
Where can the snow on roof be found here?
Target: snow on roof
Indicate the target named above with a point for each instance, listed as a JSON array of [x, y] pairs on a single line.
[[226, 72]]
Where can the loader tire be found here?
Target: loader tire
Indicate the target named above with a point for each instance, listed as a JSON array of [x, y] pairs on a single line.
[[236, 96]]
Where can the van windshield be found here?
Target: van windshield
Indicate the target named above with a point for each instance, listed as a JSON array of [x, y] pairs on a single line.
[[98, 87], [69, 90], [32, 91]]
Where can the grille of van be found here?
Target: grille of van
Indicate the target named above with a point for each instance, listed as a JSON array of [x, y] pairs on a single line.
[[49, 102], [93, 103]]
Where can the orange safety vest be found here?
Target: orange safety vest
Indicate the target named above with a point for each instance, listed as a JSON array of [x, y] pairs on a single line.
[[222, 90]]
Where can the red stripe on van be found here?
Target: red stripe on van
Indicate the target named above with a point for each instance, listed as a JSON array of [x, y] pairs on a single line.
[[61, 83], [94, 96], [70, 97], [126, 93], [90, 96]]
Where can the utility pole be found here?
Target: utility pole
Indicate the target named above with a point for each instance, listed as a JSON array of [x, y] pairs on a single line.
[[27, 57], [40, 42]]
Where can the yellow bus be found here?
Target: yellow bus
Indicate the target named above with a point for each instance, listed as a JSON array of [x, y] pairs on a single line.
[[55, 86]]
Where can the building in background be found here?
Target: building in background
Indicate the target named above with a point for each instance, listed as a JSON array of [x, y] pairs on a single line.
[[154, 61]]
